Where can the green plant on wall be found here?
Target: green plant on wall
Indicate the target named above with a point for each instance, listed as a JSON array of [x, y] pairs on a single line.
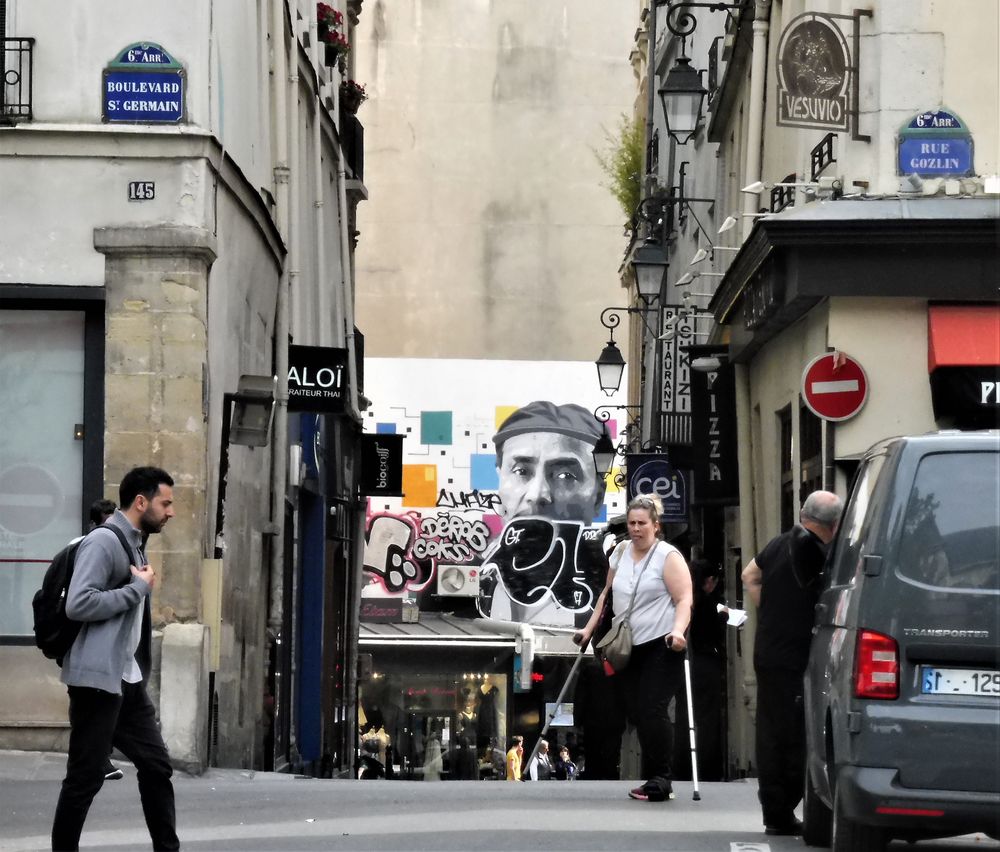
[[622, 163]]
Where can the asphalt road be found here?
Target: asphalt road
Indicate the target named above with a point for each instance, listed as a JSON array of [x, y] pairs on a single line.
[[233, 810]]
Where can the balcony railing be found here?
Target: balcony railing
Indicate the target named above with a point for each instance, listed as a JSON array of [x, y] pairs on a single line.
[[15, 80], [352, 139]]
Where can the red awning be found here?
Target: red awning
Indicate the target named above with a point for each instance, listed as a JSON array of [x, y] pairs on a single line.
[[963, 336]]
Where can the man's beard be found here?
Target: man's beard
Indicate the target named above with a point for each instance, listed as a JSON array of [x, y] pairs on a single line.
[[149, 525]]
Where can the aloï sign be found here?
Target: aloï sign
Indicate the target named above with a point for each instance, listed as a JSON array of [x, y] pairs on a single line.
[[317, 379]]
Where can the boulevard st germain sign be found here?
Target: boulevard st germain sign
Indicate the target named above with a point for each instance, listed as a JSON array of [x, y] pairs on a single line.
[[143, 85], [814, 67], [317, 379]]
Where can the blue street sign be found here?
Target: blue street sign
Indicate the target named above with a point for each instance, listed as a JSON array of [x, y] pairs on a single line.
[[144, 96], [935, 156]]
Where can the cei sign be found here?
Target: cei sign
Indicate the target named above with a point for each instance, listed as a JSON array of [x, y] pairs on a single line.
[[834, 386], [653, 474]]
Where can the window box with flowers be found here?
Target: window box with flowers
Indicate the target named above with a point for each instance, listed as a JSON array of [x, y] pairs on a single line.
[[352, 95], [330, 34]]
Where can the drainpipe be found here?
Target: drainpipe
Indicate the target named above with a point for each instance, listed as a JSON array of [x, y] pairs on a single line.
[[279, 453], [755, 117], [322, 286]]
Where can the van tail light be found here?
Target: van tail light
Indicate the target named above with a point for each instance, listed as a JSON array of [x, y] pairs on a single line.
[[876, 666]]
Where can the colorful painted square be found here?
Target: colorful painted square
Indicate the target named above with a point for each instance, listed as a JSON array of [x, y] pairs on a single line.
[[385, 428], [502, 413], [419, 485], [435, 427], [483, 475]]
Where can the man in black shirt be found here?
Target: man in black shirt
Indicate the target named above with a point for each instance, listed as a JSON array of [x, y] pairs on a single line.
[[783, 581]]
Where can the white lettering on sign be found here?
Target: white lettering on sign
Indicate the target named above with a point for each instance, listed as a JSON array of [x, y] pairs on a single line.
[[836, 387], [324, 377], [813, 109], [141, 190], [144, 87], [987, 388], [143, 56], [936, 120], [661, 486], [383, 466], [918, 164]]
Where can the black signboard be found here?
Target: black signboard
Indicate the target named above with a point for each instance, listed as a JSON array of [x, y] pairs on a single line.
[[967, 397], [317, 379], [381, 610], [814, 67], [382, 465], [713, 414]]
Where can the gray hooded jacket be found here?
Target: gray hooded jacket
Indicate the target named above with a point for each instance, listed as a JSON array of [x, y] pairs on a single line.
[[100, 654]]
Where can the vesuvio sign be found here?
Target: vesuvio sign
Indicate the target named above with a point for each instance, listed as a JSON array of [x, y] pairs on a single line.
[[143, 85], [653, 474], [713, 414], [814, 67], [382, 465], [317, 379]]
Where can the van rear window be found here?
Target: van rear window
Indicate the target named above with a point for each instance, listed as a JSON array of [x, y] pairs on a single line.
[[951, 532]]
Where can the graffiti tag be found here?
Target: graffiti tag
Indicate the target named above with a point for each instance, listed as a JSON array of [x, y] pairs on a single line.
[[487, 501]]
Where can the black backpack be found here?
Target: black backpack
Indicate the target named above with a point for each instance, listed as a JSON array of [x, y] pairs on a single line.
[[55, 633]]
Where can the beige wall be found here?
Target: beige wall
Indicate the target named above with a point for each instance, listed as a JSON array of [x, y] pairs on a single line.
[[489, 233]]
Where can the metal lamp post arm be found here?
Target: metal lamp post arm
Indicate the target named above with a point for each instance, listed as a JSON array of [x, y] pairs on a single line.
[[611, 317]]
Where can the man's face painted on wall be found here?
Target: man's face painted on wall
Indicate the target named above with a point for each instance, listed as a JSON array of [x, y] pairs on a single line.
[[549, 475]]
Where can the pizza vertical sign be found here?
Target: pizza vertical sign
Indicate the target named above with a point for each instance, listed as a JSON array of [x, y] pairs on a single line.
[[143, 85]]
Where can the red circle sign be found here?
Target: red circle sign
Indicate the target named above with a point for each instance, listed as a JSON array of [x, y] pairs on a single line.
[[834, 386]]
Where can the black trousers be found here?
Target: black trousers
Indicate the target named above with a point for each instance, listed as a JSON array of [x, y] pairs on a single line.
[[650, 680], [99, 720], [781, 744]]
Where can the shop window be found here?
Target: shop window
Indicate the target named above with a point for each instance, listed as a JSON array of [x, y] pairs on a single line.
[[51, 435], [787, 479], [810, 451]]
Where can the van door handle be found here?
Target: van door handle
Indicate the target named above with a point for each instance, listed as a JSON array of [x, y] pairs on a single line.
[[872, 565]]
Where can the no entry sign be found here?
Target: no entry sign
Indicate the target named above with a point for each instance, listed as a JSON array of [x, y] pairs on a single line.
[[834, 386]]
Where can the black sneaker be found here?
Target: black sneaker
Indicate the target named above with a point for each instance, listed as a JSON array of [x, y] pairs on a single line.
[[791, 829], [113, 773]]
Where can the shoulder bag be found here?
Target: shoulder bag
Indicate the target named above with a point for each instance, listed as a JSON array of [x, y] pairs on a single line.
[[616, 646]]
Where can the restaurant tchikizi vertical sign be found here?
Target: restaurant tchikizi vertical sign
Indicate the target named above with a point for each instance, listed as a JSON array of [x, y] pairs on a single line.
[[814, 67], [143, 85]]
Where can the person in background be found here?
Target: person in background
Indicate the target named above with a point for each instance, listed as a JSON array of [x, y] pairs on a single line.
[[659, 619], [707, 650], [783, 581], [540, 767], [565, 769], [514, 755]]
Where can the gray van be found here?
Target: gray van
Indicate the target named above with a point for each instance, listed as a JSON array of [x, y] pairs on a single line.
[[902, 692]]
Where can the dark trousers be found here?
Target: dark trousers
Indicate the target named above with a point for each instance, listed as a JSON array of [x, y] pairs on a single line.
[[99, 720], [781, 744], [649, 681]]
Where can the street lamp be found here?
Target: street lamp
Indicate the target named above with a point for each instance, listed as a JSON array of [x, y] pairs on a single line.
[[604, 454], [610, 368], [650, 265], [682, 94]]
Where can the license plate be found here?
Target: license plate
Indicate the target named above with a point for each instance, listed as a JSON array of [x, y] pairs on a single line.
[[934, 681]]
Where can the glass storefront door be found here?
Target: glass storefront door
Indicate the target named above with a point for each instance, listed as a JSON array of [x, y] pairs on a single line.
[[41, 451]]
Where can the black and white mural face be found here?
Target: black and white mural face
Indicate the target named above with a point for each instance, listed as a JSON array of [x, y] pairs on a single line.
[[546, 566], [502, 512]]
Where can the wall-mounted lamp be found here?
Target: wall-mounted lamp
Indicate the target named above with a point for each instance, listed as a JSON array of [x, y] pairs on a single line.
[[610, 368], [691, 277], [682, 95], [685, 279], [730, 222], [251, 410], [831, 185], [649, 262], [604, 454], [687, 294], [702, 254], [706, 363]]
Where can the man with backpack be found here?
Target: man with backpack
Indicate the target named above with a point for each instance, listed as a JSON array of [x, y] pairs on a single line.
[[106, 668]]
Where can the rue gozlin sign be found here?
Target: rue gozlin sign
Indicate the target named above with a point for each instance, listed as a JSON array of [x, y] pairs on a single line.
[[143, 85], [317, 379], [814, 67]]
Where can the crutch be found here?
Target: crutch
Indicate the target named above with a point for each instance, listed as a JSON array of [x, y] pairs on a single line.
[[559, 701], [690, 702], [690, 705]]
